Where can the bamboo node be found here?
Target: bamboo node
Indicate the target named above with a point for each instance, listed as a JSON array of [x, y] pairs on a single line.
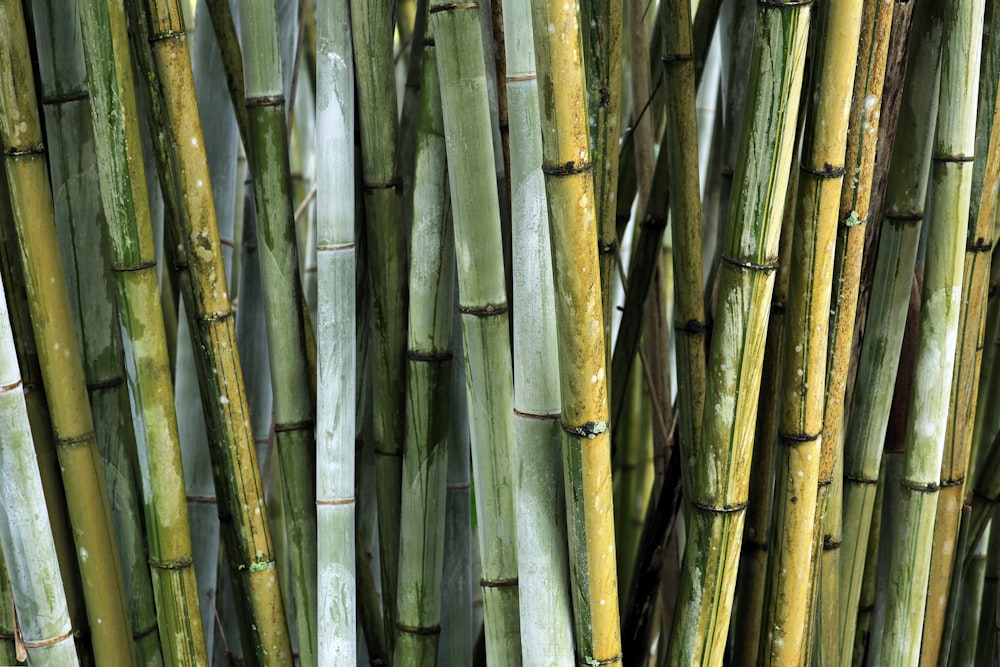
[[333, 503], [858, 479], [264, 101], [751, 266], [521, 77], [42, 643], [653, 222], [905, 218], [300, 425], [145, 632], [141, 266], [588, 430], [105, 384], [429, 357], [489, 310], [202, 500], [448, 6], [827, 171], [916, 486], [676, 58], [569, 168], [830, 544], [543, 416], [594, 662], [948, 483], [796, 439], [66, 98], [385, 452], [607, 248], [5, 388], [717, 509], [693, 327], [37, 149], [174, 564], [778, 4], [426, 631], [954, 159], [76, 440], [980, 245], [165, 35], [498, 583]]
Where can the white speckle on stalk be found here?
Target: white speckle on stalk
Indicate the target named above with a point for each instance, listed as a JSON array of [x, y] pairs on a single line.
[[84, 555], [223, 400], [552, 28], [194, 141]]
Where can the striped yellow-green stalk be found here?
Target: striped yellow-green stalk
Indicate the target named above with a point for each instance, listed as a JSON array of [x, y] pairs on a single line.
[[951, 176], [372, 32], [283, 301], [958, 436], [546, 614], [41, 428], [42, 615], [429, 355], [879, 357], [336, 266], [681, 143], [854, 209], [784, 640], [569, 186], [483, 303], [746, 279], [85, 247], [123, 188], [197, 256], [752, 578], [55, 339]]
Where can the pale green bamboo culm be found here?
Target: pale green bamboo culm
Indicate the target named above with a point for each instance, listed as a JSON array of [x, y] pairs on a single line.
[[123, 186], [483, 304], [746, 279], [42, 614], [583, 381], [336, 265], [55, 338]]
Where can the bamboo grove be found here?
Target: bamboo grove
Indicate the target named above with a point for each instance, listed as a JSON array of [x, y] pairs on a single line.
[[499, 332]]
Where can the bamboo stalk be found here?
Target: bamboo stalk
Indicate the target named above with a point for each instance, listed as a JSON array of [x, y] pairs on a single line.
[[41, 428], [546, 615], [336, 345], [958, 434], [294, 414], [879, 356], [803, 381], [483, 304], [425, 459], [27, 177], [371, 30], [746, 281], [569, 185], [863, 128], [986, 640], [940, 304], [44, 624]]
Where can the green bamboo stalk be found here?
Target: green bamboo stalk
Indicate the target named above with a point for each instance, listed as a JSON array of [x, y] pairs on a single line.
[[85, 246], [27, 177], [8, 650], [746, 281], [866, 603], [371, 30], [958, 434], [546, 614], [336, 268], [43, 619], [425, 461], [283, 303], [41, 428], [569, 185], [681, 143], [483, 304], [952, 177], [961, 631], [863, 130], [457, 634], [123, 187], [879, 356], [196, 254], [803, 380], [752, 578]]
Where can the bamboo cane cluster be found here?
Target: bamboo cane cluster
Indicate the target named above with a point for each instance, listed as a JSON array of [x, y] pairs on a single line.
[[502, 332]]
